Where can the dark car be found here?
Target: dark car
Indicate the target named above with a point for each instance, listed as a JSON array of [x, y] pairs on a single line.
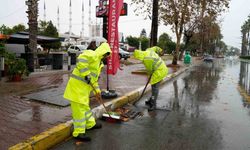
[[208, 58]]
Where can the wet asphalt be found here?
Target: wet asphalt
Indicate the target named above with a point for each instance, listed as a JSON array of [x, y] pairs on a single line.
[[202, 109]]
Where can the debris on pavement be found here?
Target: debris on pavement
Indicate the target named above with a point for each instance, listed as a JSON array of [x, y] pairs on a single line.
[[127, 112]]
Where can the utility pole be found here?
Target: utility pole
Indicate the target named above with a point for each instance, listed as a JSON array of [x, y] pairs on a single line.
[[44, 11], [32, 17], [82, 33], [154, 24], [90, 30], [70, 19], [58, 20]]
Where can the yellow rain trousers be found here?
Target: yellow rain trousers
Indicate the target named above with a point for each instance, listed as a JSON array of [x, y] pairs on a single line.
[[78, 90], [82, 118]]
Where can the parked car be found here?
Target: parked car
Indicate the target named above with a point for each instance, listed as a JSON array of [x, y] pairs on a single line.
[[131, 49], [76, 48], [123, 54], [208, 58], [39, 48]]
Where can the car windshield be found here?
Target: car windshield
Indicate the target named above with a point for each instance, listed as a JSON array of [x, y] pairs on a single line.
[[82, 47]]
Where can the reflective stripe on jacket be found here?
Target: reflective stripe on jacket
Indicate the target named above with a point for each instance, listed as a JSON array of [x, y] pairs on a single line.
[[153, 64], [88, 63]]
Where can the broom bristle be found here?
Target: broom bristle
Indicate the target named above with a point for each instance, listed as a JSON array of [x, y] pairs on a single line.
[[111, 120]]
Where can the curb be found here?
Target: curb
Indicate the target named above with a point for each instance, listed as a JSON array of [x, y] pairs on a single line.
[[57, 134], [46, 139]]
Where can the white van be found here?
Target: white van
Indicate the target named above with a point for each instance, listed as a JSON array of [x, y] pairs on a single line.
[[76, 48]]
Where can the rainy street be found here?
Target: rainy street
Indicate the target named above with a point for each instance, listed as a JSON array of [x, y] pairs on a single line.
[[205, 108]]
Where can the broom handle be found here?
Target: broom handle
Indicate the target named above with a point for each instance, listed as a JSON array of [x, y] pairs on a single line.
[[99, 99], [145, 87]]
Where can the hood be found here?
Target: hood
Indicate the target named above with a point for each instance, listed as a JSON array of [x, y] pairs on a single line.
[[138, 54], [103, 49], [156, 49]]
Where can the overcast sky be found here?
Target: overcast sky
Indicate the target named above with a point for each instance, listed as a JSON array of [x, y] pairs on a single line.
[[12, 12]]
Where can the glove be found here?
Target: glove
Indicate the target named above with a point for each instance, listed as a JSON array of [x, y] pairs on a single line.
[[87, 79]]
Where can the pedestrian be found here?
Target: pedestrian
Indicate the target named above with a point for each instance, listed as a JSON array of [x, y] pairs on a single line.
[[92, 45], [157, 69], [187, 58], [83, 78]]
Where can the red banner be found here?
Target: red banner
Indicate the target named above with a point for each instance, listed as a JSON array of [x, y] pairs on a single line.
[[115, 7]]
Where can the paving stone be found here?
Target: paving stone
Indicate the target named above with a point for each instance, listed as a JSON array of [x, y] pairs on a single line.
[[27, 118], [51, 96]]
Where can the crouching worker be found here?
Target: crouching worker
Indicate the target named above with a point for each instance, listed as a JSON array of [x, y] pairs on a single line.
[[156, 49], [156, 68], [83, 78]]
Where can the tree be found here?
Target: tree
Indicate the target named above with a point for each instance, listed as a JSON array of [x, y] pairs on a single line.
[[211, 37], [154, 23], [245, 31], [42, 26], [212, 9], [133, 41], [179, 13], [7, 30], [51, 31], [176, 13], [143, 33], [18, 28], [223, 47], [166, 43], [149, 9], [144, 43]]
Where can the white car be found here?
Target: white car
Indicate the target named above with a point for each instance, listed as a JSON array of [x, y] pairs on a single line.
[[123, 54], [76, 48], [39, 48]]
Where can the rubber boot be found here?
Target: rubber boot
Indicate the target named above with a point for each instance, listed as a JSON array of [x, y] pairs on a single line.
[[149, 102], [83, 137], [96, 126], [152, 105]]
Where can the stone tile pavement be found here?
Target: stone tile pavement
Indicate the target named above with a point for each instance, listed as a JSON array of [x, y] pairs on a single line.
[[22, 118]]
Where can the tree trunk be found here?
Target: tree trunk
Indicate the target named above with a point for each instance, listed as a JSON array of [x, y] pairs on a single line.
[[154, 24], [188, 37], [32, 47], [203, 5], [243, 45], [176, 54]]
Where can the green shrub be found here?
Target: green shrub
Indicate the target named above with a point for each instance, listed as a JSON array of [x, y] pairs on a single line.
[[245, 57]]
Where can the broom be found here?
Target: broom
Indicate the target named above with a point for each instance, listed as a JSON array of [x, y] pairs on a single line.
[[145, 87], [107, 117]]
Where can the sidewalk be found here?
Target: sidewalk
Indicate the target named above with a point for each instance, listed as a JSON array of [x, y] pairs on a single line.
[[22, 118]]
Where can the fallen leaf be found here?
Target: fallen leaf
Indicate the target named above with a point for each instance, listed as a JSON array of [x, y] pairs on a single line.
[[125, 119], [78, 143]]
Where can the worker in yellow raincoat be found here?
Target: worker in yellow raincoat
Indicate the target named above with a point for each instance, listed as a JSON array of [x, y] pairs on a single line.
[[84, 76], [156, 49], [156, 68]]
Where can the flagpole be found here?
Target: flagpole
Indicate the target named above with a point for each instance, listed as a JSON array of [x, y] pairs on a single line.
[[106, 11], [107, 78]]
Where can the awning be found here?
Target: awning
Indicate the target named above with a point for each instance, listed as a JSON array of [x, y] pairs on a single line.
[[23, 38]]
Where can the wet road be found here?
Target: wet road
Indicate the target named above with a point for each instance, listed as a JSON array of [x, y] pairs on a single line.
[[206, 108]]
